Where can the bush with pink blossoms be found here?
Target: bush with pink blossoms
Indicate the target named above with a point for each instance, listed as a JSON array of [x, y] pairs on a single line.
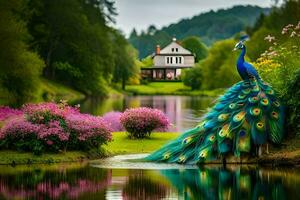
[[53, 127], [88, 131], [7, 112], [140, 122], [113, 120]]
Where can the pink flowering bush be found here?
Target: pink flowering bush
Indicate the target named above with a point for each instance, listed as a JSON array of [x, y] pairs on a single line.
[[53, 127], [89, 131], [7, 112], [140, 122], [113, 120]]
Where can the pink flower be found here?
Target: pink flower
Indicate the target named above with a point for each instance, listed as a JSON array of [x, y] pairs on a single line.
[[113, 120], [7, 112], [49, 142]]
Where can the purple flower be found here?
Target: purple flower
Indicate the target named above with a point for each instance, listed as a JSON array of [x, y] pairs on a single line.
[[113, 120]]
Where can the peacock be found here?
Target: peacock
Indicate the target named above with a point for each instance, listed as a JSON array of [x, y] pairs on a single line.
[[247, 116]]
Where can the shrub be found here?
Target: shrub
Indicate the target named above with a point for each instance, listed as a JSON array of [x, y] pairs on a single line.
[[140, 122], [7, 112], [193, 77], [53, 127], [113, 119]]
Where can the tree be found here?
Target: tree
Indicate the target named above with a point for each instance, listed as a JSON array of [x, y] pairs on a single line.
[[195, 45], [125, 57], [193, 77], [20, 68], [219, 68], [74, 40]]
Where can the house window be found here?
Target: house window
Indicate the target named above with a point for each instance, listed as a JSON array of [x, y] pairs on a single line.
[[176, 58], [172, 49], [171, 60], [168, 60], [180, 60], [176, 49]]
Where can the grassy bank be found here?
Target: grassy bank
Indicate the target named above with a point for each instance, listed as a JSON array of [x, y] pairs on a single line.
[[16, 158], [169, 88], [50, 90], [121, 144]]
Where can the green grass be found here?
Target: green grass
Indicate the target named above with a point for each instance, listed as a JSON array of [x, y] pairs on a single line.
[[169, 88], [50, 90], [14, 157], [121, 144]]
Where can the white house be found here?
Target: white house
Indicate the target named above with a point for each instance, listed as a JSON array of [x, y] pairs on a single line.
[[168, 62]]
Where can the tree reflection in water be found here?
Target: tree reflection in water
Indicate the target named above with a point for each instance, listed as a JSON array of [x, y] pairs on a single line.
[[142, 187]]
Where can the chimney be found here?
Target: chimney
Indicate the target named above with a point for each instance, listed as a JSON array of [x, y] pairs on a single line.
[[157, 49]]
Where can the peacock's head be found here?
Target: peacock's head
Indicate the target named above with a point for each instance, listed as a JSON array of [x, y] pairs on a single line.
[[240, 44]]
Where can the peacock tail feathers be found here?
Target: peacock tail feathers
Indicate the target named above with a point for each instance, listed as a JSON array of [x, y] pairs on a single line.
[[247, 115]]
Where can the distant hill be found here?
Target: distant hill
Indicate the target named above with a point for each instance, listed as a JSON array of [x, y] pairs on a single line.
[[210, 27]]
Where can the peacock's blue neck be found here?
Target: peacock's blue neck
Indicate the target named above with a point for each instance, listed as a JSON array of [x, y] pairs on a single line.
[[240, 64], [241, 59]]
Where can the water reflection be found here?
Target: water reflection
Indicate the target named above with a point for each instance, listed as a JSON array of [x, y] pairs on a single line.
[[86, 182], [184, 112]]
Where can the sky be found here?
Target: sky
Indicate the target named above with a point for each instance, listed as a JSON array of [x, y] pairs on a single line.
[[139, 14]]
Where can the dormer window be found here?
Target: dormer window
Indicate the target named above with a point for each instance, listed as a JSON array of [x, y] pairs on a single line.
[[176, 49], [172, 49]]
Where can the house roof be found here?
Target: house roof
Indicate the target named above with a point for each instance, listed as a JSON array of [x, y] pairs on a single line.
[[175, 49]]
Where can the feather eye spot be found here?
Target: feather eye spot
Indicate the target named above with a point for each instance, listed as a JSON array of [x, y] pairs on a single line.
[[260, 125], [253, 99], [275, 115], [270, 92], [203, 154], [242, 133], [255, 111], [239, 117], [187, 140], [232, 105], [264, 102], [166, 156], [212, 138], [182, 158], [223, 117]]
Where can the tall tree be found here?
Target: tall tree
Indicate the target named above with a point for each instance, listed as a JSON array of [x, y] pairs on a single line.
[[20, 68], [125, 56]]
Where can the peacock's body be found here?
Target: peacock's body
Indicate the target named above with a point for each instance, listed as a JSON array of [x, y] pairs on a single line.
[[245, 117]]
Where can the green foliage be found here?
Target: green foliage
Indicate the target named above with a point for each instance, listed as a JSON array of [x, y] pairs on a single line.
[[147, 62], [193, 77], [280, 67], [272, 24], [293, 104], [125, 57], [20, 68], [195, 45], [210, 27], [218, 68]]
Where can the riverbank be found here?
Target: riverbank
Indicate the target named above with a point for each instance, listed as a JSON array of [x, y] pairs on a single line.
[[169, 88], [287, 155]]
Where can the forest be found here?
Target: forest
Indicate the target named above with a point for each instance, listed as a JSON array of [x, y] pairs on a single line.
[[68, 42]]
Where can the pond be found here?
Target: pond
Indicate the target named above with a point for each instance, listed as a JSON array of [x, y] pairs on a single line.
[[184, 112], [146, 181]]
